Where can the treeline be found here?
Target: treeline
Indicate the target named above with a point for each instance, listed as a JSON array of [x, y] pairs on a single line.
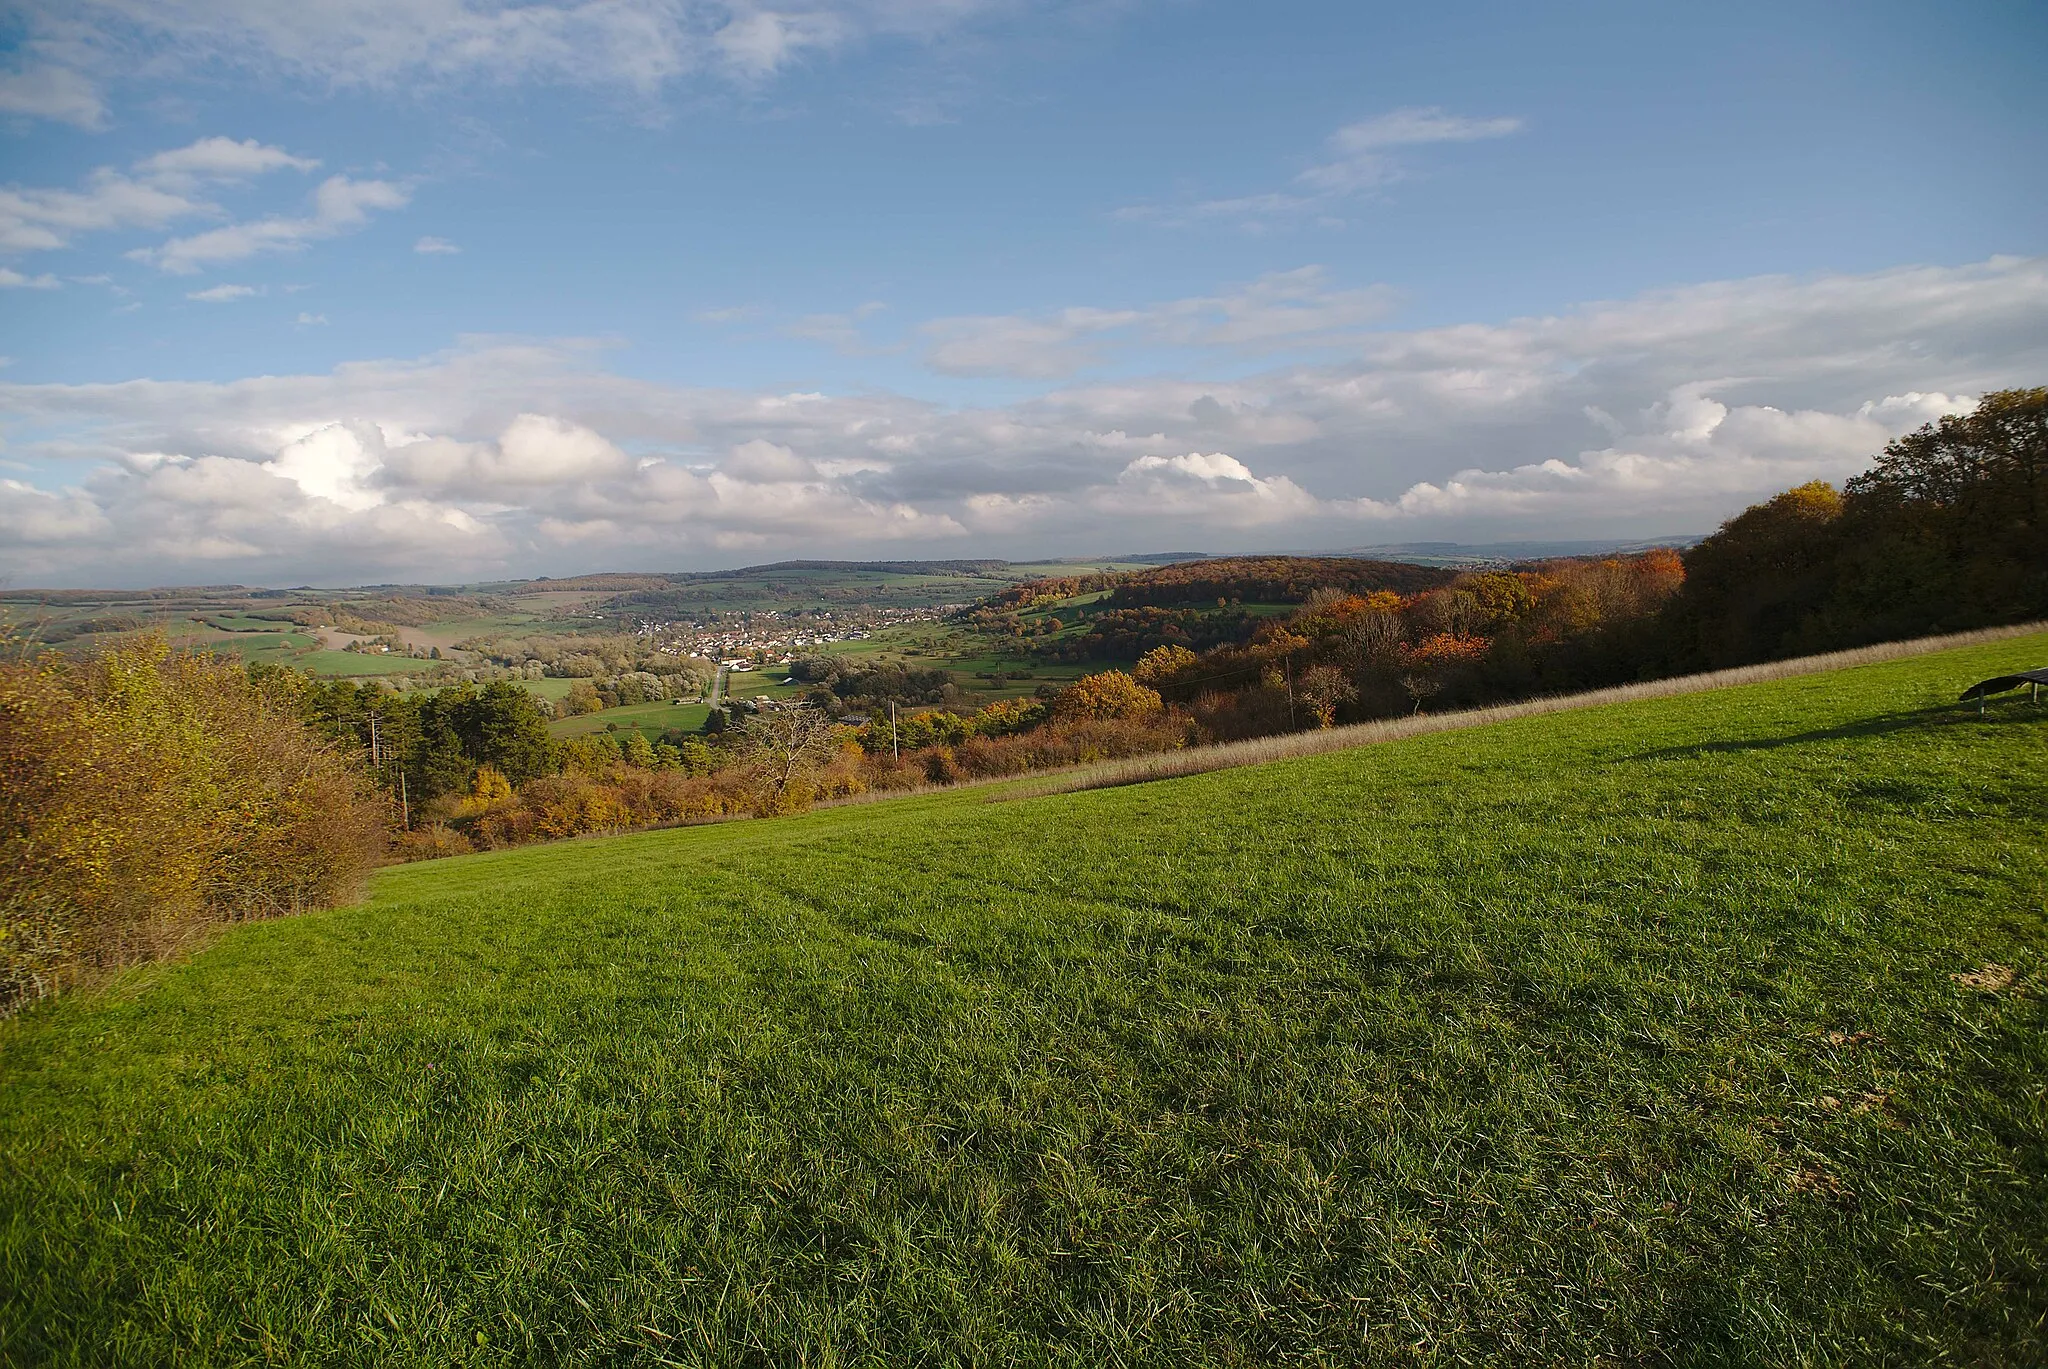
[[1222, 581], [1485, 636], [422, 745], [372, 616], [841, 682], [1947, 531], [610, 669], [1267, 580], [1124, 633]]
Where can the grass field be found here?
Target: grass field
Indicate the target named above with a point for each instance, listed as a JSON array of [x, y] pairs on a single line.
[[1704, 1030], [652, 719], [966, 654], [658, 717]]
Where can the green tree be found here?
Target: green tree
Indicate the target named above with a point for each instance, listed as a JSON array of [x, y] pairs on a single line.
[[637, 750], [1751, 589], [1949, 528]]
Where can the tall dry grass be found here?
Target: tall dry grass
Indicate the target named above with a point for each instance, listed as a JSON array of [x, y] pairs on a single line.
[[147, 795]]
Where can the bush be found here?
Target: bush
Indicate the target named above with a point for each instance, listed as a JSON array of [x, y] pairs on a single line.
[[146, 796]]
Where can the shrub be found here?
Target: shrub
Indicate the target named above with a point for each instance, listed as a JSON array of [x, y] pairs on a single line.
[[147, 795]]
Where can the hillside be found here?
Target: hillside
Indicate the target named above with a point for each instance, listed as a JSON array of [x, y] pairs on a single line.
[[1700, 1030]]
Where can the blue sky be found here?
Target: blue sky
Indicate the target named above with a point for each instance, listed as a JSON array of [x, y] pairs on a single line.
[[364, 290]]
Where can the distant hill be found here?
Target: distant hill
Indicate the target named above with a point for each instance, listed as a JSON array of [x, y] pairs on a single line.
[[1270, 579], [978, 567], [1508, 553]]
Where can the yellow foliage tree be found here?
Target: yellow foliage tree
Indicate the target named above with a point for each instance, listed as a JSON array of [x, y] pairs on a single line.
[[1161, 662], [491, 787], [1110, 694]]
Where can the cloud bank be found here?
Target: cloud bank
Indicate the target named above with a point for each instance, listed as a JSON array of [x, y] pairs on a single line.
[[1661, 413]]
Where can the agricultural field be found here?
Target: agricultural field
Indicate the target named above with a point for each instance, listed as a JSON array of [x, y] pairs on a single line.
[[652, 719], [967, 655], [1702, 1030], [658, 717], [256, 625]]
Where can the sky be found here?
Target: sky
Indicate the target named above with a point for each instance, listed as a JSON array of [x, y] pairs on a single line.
[[368, 291]]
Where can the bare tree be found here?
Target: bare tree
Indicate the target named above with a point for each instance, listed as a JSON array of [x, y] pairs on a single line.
[[1375, 638], [783, 747], [1419, 687]]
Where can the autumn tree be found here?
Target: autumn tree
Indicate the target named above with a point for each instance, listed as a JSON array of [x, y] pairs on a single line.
[[1110, 694], [146, 794], [1162, 662]]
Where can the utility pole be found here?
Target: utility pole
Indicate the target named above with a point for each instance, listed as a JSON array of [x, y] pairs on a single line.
[[894, 750], [375, 759], [404, 808]]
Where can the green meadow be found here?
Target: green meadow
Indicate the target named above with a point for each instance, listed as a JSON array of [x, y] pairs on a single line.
[[1705, 1030]]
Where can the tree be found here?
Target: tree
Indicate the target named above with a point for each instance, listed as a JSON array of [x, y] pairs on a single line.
[[501, 725], [1420, 687], [1431, 663], [782, 749], [490, 787], [1751, 587], [1110, 694], [1949, 528], [1324, 689], [1161, 662], [638, 750], [581, 698], [1499, 597]]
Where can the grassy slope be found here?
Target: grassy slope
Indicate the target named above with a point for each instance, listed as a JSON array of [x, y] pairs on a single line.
[[1626, 1033]]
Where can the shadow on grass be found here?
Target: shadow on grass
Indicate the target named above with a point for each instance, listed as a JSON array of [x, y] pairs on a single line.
[[2001, 713]]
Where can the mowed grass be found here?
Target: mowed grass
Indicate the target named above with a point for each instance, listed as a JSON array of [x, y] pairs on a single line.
[[1632, 1035]]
